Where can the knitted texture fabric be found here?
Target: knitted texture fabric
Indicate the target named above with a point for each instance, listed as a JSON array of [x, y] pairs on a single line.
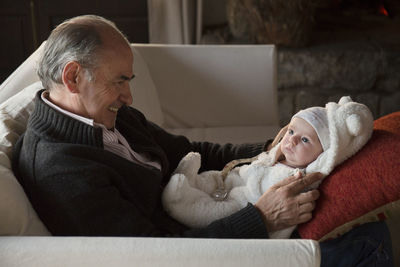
[[350, 128], [317, 117], [78, 188]]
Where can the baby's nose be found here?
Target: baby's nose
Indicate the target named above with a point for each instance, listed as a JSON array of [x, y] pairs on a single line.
[[293, 140]]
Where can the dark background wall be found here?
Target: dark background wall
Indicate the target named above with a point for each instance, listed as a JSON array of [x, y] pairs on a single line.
[[25, 24]]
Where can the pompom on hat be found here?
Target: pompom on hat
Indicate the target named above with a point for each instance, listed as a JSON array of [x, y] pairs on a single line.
[[317, 117]]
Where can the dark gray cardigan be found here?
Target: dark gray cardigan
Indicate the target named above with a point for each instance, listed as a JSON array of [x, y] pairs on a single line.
[[78, 188]]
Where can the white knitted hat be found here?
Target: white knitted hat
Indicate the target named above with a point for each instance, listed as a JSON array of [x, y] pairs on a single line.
[[317, 117], [350, 127]]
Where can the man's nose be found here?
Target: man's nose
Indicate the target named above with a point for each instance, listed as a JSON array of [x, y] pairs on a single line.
[[126, 95]]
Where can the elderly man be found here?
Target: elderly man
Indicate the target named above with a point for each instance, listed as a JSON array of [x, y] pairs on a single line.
[[91, 165]]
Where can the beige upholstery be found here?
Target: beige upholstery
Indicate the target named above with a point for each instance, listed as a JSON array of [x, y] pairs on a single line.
[[214, 93], [100, 251], [17, 215], [19, 218]]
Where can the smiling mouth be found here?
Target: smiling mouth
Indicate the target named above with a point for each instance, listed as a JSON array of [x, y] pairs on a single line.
[[113, 109]]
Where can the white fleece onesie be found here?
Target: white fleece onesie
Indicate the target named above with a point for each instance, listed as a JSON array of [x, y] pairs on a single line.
[[188, 196]]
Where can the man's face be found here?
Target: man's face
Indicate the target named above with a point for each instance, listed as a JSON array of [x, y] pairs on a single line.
[[109, 89], [300, 145]]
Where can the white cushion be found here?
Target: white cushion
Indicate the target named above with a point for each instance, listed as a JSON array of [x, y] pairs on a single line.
[[14, 114], [166, 252], [16, 212], [23, 76]]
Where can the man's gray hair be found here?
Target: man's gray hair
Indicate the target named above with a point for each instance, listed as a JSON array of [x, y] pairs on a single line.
[[77, 39]]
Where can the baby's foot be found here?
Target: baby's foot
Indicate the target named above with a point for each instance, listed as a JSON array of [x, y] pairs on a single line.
[[190, 164]]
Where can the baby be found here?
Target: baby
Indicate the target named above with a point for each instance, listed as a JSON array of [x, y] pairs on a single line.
[[317, 139]]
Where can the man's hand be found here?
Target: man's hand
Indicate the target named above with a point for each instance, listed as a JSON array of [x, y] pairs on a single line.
[[284, 205]]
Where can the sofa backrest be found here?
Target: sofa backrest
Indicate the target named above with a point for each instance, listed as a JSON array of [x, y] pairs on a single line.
[[22, 77], [213, 85], [218, 93]]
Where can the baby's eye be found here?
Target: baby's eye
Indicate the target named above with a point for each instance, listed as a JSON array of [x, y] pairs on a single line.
[[304, 139], [290, 131]]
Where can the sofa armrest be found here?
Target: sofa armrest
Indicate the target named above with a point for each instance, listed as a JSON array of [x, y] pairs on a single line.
[[115, 251]]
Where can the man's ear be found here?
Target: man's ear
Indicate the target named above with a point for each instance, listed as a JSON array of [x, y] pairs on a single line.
[[70, 76]]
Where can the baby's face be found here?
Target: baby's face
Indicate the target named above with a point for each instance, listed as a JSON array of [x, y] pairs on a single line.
[[300, 144]]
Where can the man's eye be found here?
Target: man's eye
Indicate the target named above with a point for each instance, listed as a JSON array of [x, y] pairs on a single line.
[[304, 139]]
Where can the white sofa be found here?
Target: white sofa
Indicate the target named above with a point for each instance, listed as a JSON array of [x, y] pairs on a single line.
[[215, 93]]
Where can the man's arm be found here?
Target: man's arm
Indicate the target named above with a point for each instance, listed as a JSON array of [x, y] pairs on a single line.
[[215, 156], [87, 200], [246, 223]]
